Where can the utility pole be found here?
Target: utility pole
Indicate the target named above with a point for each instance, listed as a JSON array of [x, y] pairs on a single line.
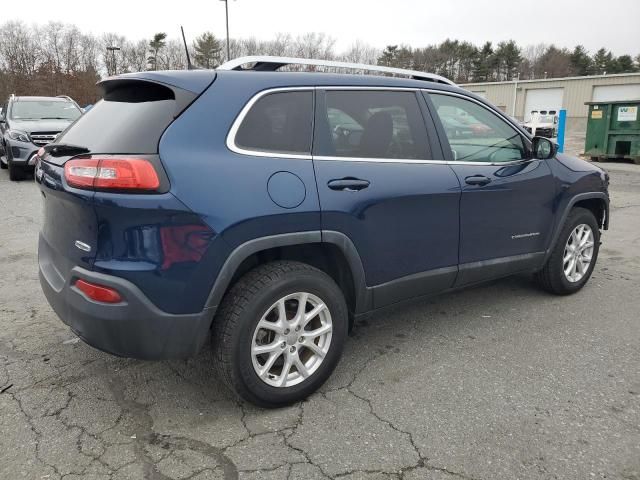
[[113, 50], [226, 11], [515, 95]]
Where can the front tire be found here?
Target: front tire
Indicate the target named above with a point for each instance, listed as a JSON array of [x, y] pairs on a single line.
[[280, 333], [574, 256]]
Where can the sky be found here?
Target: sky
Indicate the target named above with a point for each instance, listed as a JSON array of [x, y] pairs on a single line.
[[612, 24]]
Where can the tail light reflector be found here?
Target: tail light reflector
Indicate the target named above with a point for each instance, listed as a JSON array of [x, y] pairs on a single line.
[[111, 173], [99, 293]]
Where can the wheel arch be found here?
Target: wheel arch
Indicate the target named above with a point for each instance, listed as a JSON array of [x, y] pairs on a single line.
[[596, 202], [598, 206], [332, 252]]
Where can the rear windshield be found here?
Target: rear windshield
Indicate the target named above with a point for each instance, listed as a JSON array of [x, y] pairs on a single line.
[[129, 119], [44, 109]]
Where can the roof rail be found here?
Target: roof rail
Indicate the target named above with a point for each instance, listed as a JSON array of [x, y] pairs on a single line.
[[65, 96], [270, 64]]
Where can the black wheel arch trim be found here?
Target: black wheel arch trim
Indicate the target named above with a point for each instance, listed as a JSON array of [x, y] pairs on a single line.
[[363, 296], [567, 209]]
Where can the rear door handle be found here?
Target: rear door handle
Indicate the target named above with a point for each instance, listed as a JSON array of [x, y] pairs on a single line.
[[348, 184], [477, 180]]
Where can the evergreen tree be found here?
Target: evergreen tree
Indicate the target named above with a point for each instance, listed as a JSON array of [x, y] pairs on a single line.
[[155, 45], [482, 63], [603, 62], [581, 63], [624, 64], [508, 58], [389, 56], [467, 54], [208, 50], [555, 62]]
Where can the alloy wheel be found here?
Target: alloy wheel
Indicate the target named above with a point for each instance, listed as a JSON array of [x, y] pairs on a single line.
[[578, 253], [291, 339]]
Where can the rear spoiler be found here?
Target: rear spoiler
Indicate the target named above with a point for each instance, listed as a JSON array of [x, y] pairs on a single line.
[[138, 88], [194, 81]]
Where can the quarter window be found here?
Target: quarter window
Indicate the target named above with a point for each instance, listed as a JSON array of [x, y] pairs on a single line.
[[476, 134], [278, 123], [371, 124]]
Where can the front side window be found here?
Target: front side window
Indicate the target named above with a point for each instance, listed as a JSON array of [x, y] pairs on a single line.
[[278, 123], [372, 124], [476, 134]]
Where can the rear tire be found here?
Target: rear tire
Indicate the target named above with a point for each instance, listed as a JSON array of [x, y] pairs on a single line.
[[16, 173], [553, 277], [283, 296]]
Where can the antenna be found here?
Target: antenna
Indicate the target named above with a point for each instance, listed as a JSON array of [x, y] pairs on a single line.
[[189, 66]]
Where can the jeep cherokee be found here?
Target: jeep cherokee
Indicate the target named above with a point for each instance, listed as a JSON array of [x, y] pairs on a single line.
[[272, 209]]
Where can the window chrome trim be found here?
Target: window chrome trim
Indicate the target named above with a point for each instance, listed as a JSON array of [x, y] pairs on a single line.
[[409, 161], [231, 145], [368, 88], [231, 136], [379, 160]]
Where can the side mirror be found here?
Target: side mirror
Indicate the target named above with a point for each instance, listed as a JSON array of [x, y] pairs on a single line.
[[543, 148]]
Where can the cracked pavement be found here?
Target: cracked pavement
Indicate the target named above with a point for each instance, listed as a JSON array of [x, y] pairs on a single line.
[[497, 382]]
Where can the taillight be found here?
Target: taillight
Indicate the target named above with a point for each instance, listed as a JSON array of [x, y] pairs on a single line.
[[111, 173], [99, 293]]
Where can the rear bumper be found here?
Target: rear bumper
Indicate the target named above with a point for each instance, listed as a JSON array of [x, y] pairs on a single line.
[[133, 328]]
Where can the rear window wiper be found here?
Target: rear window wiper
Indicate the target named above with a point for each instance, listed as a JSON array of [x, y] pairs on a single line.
[[59, 149], [54, 118]]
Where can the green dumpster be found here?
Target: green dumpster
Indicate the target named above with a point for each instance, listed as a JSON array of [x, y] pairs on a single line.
[[613, 131]]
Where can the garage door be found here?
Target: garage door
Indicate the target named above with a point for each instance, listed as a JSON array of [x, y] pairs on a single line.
[[612, 93], [542, 99]]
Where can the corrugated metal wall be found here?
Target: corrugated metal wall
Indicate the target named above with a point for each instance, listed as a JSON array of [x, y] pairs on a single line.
[[577, 91]]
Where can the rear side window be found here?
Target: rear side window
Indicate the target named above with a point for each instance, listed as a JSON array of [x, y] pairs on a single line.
[[371, 124], [278, 123], [130, 119]]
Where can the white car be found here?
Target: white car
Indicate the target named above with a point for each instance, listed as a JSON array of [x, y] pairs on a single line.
[[543, 123]]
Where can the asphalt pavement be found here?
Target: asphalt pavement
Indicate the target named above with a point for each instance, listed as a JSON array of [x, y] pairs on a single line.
[[502, 381]]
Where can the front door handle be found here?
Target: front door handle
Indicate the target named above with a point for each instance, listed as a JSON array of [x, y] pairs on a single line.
[[477, 180], [348, 184]]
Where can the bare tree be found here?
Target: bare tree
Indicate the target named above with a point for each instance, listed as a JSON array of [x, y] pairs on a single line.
[[89, 53], [18, 49], [114, 61], [530, 67], [173, 56], [280, 46], [136, 55], [360, 52], [314, 45]]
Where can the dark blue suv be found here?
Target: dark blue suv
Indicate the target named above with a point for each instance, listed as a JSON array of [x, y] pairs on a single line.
[[271, 209]]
